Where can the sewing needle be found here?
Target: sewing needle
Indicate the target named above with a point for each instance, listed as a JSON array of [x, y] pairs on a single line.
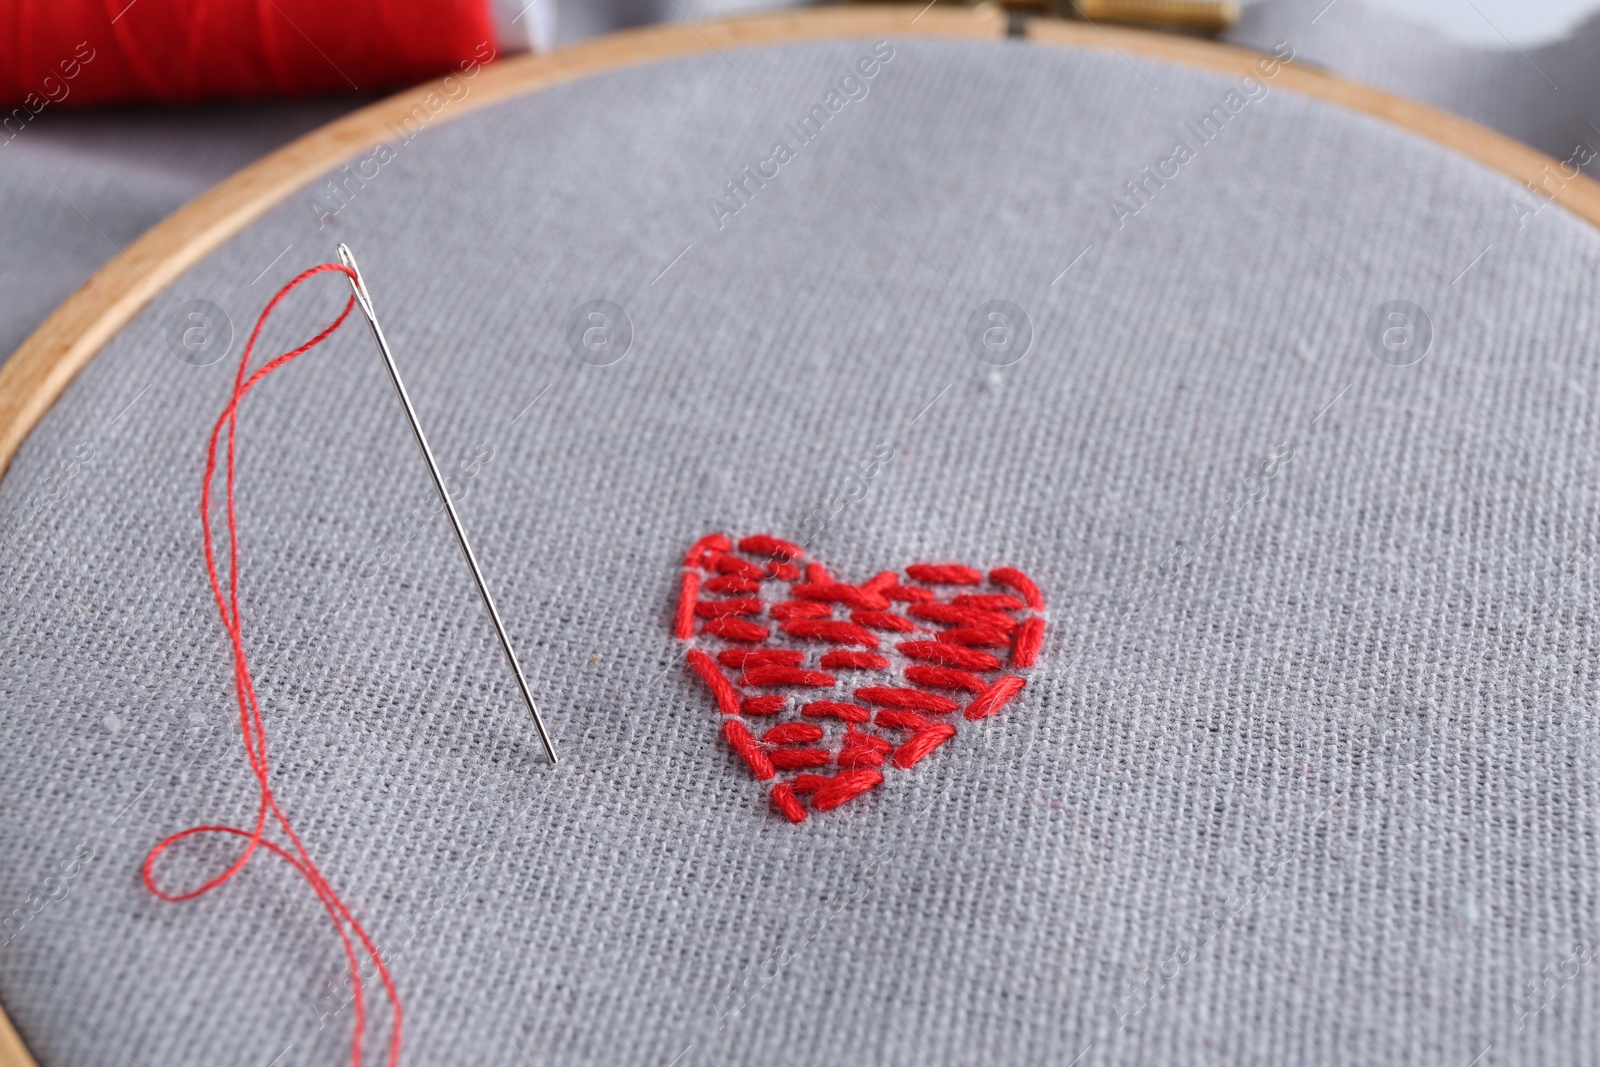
[[359, 286]]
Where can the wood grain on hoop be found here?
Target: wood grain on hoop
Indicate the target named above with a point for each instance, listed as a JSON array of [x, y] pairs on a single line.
[[12, 1052], [34, 377]]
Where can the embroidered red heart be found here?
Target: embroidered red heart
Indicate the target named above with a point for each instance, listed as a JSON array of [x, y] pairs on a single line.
[[847, 676]]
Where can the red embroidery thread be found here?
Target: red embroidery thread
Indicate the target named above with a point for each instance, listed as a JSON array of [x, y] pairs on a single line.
[[955, 646], [252, 723]]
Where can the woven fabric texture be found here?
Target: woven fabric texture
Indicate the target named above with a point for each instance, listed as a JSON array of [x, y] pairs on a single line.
[[1306, 772]]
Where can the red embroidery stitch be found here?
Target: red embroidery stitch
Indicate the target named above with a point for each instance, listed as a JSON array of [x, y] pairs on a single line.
[[732, 583], [922, 742], [686, 599], [891, 719], [734, 565], [905, 698], [945, 678], [839, 593], [793, 759], [994, 698], [868, 661], [740, 658], [860, 756], [716, 609], [831, 709], [1015, 579], [703, 552], [762, 545], [845, 785], [944, 664], [757, 677], [799, 609], [840, 633], [785, 800], [721, 688], [736, 629], [965, 635], [944, 574], [791, 732], [1025, 642], [746, 747], [883, 620], [974, 617]]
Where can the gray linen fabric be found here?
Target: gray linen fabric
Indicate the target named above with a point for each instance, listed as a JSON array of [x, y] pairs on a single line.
[[1307, 772]]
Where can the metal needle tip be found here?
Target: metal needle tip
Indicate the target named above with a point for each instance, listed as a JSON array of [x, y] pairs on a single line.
[[359, 286]]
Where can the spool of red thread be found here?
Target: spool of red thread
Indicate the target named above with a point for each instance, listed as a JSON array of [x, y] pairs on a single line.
[[74, 52]]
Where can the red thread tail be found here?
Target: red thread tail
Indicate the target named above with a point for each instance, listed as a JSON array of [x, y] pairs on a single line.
[[968, 659], [252, 723]]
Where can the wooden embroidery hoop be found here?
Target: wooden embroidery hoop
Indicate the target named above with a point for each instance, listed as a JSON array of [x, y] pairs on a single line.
[[40, 369]]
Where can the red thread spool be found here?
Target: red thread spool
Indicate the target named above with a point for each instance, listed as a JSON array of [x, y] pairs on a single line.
[[70, 52]]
